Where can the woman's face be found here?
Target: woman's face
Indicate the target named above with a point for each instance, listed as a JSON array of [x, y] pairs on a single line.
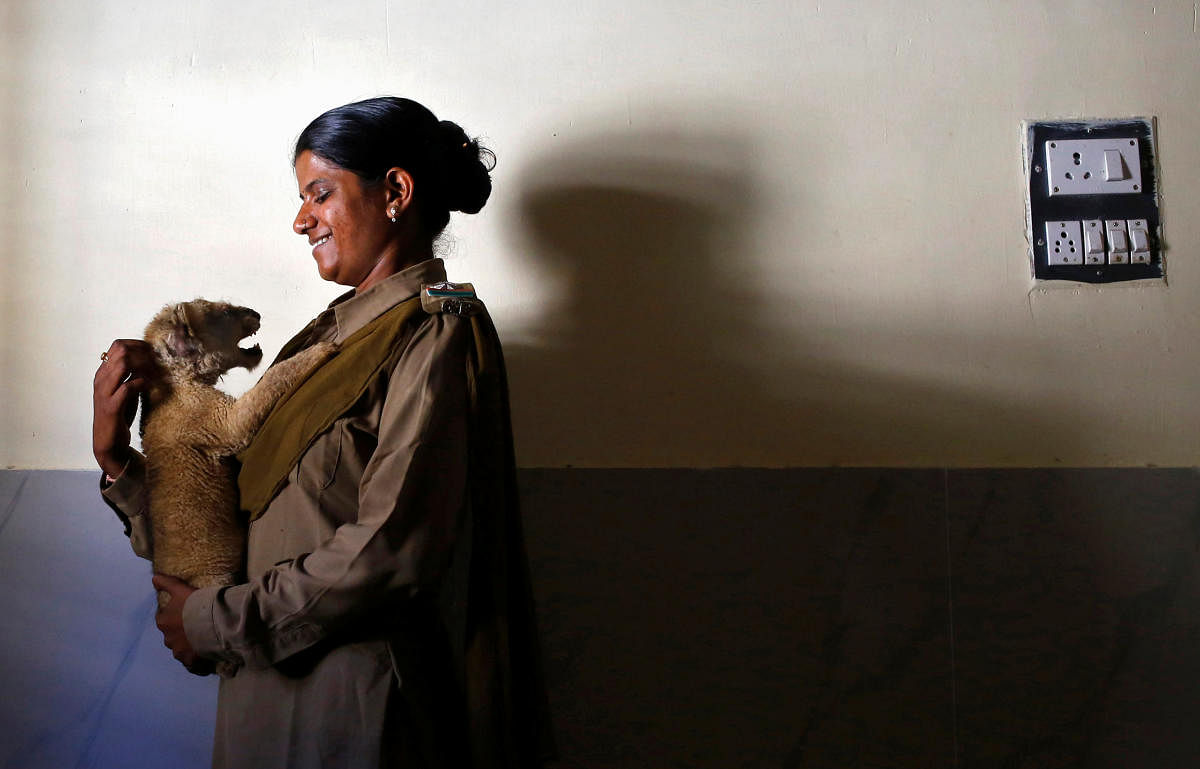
[[345, 221]]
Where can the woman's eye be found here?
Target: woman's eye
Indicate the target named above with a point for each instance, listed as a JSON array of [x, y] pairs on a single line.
[[322, 195]]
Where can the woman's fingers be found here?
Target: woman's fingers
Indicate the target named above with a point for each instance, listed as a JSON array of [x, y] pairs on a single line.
[[169, 618], [127, 360], [124, 371]]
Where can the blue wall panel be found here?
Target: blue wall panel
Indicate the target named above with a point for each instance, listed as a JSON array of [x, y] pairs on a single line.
[[88, 682]]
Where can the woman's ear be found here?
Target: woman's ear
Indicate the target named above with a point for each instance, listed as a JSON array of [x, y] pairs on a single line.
[[399, 184]]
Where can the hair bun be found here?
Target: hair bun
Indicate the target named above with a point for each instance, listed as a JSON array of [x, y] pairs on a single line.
[[468, 183]]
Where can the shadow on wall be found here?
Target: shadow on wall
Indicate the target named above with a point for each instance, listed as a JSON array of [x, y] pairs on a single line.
[[668, 348], [629, 369]]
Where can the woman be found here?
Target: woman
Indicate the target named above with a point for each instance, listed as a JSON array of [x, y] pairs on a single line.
[[387, 618]]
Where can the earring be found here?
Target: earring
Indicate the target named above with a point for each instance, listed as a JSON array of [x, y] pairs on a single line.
[[393, 213]]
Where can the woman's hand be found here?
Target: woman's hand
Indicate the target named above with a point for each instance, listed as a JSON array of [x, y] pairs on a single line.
[[170, 620], [127, 368]]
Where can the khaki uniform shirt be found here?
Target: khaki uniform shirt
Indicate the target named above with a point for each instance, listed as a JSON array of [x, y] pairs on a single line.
[[343, 662]]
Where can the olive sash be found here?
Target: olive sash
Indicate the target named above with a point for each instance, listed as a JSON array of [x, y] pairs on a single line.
[[315, 403]]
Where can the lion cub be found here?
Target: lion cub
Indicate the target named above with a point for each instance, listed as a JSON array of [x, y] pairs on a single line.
[[191, 431]]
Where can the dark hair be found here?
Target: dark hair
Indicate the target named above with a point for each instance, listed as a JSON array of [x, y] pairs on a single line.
[[371, 136]]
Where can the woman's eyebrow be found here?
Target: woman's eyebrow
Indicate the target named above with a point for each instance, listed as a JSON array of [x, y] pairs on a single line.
[[309, 186]]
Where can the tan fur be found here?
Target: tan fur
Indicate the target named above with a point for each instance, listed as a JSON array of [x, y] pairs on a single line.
[[191, 430]]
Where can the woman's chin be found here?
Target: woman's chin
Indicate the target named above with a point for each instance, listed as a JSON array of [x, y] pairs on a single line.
[[326, 272]]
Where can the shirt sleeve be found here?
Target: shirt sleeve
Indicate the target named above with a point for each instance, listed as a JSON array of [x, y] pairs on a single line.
[[126, 495], [411, 493]]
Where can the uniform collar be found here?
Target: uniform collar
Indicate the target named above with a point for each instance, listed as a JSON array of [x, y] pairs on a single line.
[[353, 311]]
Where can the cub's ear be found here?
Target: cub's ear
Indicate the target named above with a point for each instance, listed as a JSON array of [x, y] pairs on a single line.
[[194, 314], [181, 342]]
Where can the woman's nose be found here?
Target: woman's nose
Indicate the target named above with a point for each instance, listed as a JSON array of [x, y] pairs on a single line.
[[304, 221]]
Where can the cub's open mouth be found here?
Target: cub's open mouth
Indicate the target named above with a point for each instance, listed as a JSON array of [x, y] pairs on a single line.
[[250, 327]]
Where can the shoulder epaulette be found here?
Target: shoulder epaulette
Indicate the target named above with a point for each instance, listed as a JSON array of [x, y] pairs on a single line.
[[451, 298]]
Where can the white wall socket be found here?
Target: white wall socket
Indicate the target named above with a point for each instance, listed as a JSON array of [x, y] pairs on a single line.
[[1093, 166], [1064, 243]]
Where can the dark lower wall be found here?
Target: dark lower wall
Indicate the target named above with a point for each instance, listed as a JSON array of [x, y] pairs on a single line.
[[725, 618]]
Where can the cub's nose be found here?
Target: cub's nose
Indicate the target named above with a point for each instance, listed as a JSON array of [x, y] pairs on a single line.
[[253, 314]]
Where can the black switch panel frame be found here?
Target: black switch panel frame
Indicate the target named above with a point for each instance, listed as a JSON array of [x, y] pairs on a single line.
[[1138, 205]]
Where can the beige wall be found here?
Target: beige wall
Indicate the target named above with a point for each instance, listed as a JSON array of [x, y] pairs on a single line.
[[774, 233]]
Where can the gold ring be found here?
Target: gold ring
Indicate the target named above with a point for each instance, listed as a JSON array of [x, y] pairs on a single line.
[[104, 356]]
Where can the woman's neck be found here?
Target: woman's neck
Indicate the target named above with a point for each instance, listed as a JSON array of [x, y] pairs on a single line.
[[391, 264]]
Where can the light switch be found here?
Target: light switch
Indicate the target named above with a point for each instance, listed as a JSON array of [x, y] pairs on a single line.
[[1139, 237], [1093, 241], [1114, 166], [1118, 241], [1064, 243]]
